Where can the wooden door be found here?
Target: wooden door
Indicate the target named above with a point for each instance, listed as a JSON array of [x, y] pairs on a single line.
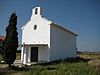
[[34, 54]]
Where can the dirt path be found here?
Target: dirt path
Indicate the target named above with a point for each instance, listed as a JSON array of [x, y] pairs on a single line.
[[4, 69]]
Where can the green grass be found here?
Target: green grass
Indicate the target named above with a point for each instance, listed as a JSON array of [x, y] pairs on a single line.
[[69, 67], [60, 68]]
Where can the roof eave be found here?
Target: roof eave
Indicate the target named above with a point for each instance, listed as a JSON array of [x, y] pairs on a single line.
[[64, 28]]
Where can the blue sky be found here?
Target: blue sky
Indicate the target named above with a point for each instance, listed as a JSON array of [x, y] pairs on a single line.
[[80, 16]]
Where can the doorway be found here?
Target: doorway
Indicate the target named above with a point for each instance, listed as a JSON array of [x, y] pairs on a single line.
[[34, 54]]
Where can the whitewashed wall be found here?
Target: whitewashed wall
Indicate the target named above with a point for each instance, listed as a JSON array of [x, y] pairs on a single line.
[[44, 54], [63, 44], [38, 37]]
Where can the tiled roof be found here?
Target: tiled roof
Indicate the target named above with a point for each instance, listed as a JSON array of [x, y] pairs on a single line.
[[2, 38]]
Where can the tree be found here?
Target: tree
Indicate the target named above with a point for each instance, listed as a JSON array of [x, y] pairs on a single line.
[[10, 43]]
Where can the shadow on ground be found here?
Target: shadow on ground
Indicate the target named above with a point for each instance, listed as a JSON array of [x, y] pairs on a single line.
[[68, 60]]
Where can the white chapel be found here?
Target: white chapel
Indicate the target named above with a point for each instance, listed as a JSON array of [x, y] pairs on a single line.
[[45, 41]]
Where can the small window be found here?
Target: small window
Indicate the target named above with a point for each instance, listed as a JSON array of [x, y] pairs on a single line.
[[36, 11], [35, 27]]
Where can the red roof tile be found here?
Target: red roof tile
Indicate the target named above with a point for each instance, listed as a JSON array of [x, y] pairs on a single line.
[[2, 38]]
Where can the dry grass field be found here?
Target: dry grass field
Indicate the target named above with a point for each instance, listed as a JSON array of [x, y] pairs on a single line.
[[90, 55], [18, 56]]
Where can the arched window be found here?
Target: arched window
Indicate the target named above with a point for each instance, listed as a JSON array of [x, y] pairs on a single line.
[[36, 11]]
